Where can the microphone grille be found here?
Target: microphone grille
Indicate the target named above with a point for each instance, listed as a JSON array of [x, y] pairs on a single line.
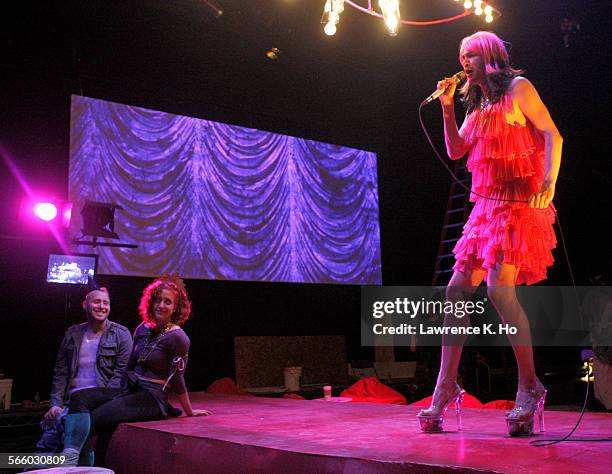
[[460, 76]]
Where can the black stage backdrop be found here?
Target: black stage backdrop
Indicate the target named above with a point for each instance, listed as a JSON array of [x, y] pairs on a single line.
[[359, 89]]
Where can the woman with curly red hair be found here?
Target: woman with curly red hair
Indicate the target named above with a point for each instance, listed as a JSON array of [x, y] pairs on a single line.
[[156, 367]]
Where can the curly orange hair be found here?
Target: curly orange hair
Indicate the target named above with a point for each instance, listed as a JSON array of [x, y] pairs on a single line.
[[153, 291]]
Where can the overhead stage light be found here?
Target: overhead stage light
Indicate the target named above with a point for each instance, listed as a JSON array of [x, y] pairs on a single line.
[[42, 217], [390, 13], [46, 211], [67, 214], [99, 219], [331, 15], [330, 29]]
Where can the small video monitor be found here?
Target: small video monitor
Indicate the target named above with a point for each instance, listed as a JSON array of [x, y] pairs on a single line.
[[76, 269]]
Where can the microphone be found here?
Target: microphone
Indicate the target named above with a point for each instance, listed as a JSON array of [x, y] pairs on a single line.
[[457, 78]]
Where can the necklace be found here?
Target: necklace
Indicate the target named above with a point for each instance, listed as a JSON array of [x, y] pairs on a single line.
[[484, 103], [151, 342], [167, 328], [90, 336], [91, 339]]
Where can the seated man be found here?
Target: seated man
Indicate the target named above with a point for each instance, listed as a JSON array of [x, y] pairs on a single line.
[[93, 354]]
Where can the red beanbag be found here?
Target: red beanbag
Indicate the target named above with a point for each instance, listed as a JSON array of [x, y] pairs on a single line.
[[372, 390], [469, 401], [226, 386], [293, 396], [500, 405]]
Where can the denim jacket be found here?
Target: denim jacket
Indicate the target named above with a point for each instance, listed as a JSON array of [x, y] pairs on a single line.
[[111, 360]]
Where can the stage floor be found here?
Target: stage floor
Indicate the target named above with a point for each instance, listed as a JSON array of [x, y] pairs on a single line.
[[255, 434]]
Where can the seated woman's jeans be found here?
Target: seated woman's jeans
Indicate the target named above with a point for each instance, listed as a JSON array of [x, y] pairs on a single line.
[[102, 409], [87, 400], [77, 430]]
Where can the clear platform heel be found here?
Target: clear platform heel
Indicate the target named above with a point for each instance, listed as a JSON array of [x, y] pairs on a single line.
[[520, 419], [432, 419]]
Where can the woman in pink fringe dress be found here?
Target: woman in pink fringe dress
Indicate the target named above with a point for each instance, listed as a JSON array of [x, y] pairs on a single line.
[[514, 156]]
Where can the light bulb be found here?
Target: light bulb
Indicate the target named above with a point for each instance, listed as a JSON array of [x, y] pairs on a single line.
[[46, 211], [392, 24], [467, 4], [489, 18], [330, 29], [391, 15]]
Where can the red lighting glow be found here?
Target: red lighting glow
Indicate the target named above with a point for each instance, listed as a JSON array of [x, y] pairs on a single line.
[[45, 211]]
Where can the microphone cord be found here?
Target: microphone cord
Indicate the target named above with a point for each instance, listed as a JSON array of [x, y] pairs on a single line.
[[460, 183], [450, 171], [540, 442]]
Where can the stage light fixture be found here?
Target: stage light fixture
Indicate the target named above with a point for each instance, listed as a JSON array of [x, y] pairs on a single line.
[[67, 214], [46, 211], [390, 13], [99, 219], [332, 9]]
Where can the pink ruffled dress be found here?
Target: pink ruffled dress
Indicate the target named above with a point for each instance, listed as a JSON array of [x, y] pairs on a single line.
[[506, 159]]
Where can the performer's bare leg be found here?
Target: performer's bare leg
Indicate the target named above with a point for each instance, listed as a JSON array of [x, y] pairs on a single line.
[[501, 291], [461, 287]]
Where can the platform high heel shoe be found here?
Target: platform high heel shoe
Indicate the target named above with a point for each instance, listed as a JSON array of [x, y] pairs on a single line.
[[528, 404], [432, 419]]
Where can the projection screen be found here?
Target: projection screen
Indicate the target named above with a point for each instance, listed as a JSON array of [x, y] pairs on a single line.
[[216, 201]]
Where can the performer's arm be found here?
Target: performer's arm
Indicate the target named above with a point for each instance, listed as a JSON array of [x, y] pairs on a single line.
[[534, 109], [455, 144]]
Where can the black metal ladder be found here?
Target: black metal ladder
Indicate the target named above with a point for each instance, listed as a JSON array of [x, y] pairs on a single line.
[[457, 210]]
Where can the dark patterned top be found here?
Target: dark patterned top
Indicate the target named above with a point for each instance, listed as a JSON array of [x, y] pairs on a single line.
[[153, 355]]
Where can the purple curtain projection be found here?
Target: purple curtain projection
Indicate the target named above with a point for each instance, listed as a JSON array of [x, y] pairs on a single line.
[[216, 201]]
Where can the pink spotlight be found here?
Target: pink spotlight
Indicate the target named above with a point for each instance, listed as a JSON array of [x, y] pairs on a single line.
[[67, 215], [45, 211]]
